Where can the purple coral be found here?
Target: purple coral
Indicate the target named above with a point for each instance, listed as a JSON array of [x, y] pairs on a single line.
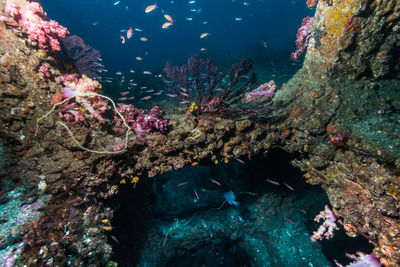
[[203, 89], [86, 59], [302, 37], [140, 122], [361, 260]]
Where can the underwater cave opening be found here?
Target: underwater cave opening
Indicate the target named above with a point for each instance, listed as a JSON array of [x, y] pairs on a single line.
[[183, 217]]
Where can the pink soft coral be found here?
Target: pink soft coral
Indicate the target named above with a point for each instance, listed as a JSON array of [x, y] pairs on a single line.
[[80, 88], [302, 37], [35, 23], [329, 225]]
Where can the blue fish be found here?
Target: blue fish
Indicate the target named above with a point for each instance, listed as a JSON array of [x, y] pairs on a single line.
[[230, 197]]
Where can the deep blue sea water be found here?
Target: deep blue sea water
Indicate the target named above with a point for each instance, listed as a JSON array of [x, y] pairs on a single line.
[[100, 23]]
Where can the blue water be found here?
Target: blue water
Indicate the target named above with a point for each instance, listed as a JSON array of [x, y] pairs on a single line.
[[100, 23]]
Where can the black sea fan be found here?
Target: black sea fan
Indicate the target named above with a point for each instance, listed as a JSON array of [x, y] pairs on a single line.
[[84, 58], [203, 89]]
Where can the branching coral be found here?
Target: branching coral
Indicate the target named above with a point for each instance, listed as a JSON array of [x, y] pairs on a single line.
[[203, 89]]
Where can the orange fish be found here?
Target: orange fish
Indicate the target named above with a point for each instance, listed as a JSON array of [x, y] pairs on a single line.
[[166, 25], [124, 93], [139, 58], [123, 39], [203, 49], [169, 18], [129, 33], [144, 39], [150, 8], [204, 35]]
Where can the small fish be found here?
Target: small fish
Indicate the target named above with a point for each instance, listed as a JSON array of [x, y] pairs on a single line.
[[143, 39], [272, 182], [303, 211], [139, 58], [138, 30], [124, 93], [288, 220], [129, 33], [115, 239], [143, 87], [238, 19], [184, 89], [134, 84], [204, 22], [147, 72], [197, 195], [122, 98], [169, 18], [118, 73], [264, 44], [116, 3], [150, 91], [173, 95], [131, 71], [150, 8], [203, 49], [123, 39], [239, 160], [123, 30], [246, 3], [131, 98], [157, 93], [193, 163], [204, 35], [182, 184], [189, 19], [288, 186], [166, 25], [95, 23], [191, 2], [215, 182], [146, 97], [230, 197]]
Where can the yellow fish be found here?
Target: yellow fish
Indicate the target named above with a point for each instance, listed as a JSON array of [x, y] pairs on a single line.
[[204, 35], [144, 39], [150, 8], [169, 18], [166, 25], [123, 39], [139, 58]]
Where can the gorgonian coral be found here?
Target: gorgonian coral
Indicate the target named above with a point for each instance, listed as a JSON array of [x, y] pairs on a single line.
[[203, 89]]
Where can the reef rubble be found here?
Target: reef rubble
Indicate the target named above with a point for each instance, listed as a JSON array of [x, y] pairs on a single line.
[[340, 118]]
